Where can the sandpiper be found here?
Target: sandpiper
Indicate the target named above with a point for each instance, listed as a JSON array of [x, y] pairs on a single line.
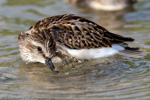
[[108, 5], [71, 36]]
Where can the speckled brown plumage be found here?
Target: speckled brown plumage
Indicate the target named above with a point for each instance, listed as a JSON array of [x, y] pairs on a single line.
[[75, 32], [50, 39]]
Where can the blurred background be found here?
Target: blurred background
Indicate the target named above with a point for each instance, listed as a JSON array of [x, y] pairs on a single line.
[[116, 77]]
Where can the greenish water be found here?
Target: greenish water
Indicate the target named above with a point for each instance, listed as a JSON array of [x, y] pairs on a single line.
[[112, 78]]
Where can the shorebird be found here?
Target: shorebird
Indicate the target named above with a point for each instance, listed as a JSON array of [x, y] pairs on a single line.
[[72, 36], [108, 5]]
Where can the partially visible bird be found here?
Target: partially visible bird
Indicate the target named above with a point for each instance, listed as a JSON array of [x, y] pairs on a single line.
[[73, 36], [108, 5]]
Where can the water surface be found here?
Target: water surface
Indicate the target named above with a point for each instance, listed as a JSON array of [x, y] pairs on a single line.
[[116, 77]]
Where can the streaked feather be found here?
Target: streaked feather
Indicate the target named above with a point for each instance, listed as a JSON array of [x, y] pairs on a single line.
[[76, 32]]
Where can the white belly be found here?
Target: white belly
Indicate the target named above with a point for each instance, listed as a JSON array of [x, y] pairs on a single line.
[[94, 53]]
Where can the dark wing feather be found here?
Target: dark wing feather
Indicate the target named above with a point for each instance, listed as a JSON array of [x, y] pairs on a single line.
[[78, 33]]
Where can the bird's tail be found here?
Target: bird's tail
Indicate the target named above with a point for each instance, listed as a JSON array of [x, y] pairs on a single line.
[[132, 52]]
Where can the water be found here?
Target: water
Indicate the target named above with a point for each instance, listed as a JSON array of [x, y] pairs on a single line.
[[116, 77]]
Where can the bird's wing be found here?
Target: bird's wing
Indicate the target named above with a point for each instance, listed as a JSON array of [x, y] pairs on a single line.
[[79, 33]]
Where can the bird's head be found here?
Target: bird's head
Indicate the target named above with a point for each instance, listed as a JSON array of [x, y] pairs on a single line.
[[37, 46]]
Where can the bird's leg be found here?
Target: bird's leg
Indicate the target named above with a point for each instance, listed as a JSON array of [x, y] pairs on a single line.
[[66, 59]]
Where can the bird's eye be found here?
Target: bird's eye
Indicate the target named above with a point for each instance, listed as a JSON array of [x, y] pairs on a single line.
[[39, 49]]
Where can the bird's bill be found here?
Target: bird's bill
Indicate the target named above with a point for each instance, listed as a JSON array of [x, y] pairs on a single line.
[[49, 63]]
